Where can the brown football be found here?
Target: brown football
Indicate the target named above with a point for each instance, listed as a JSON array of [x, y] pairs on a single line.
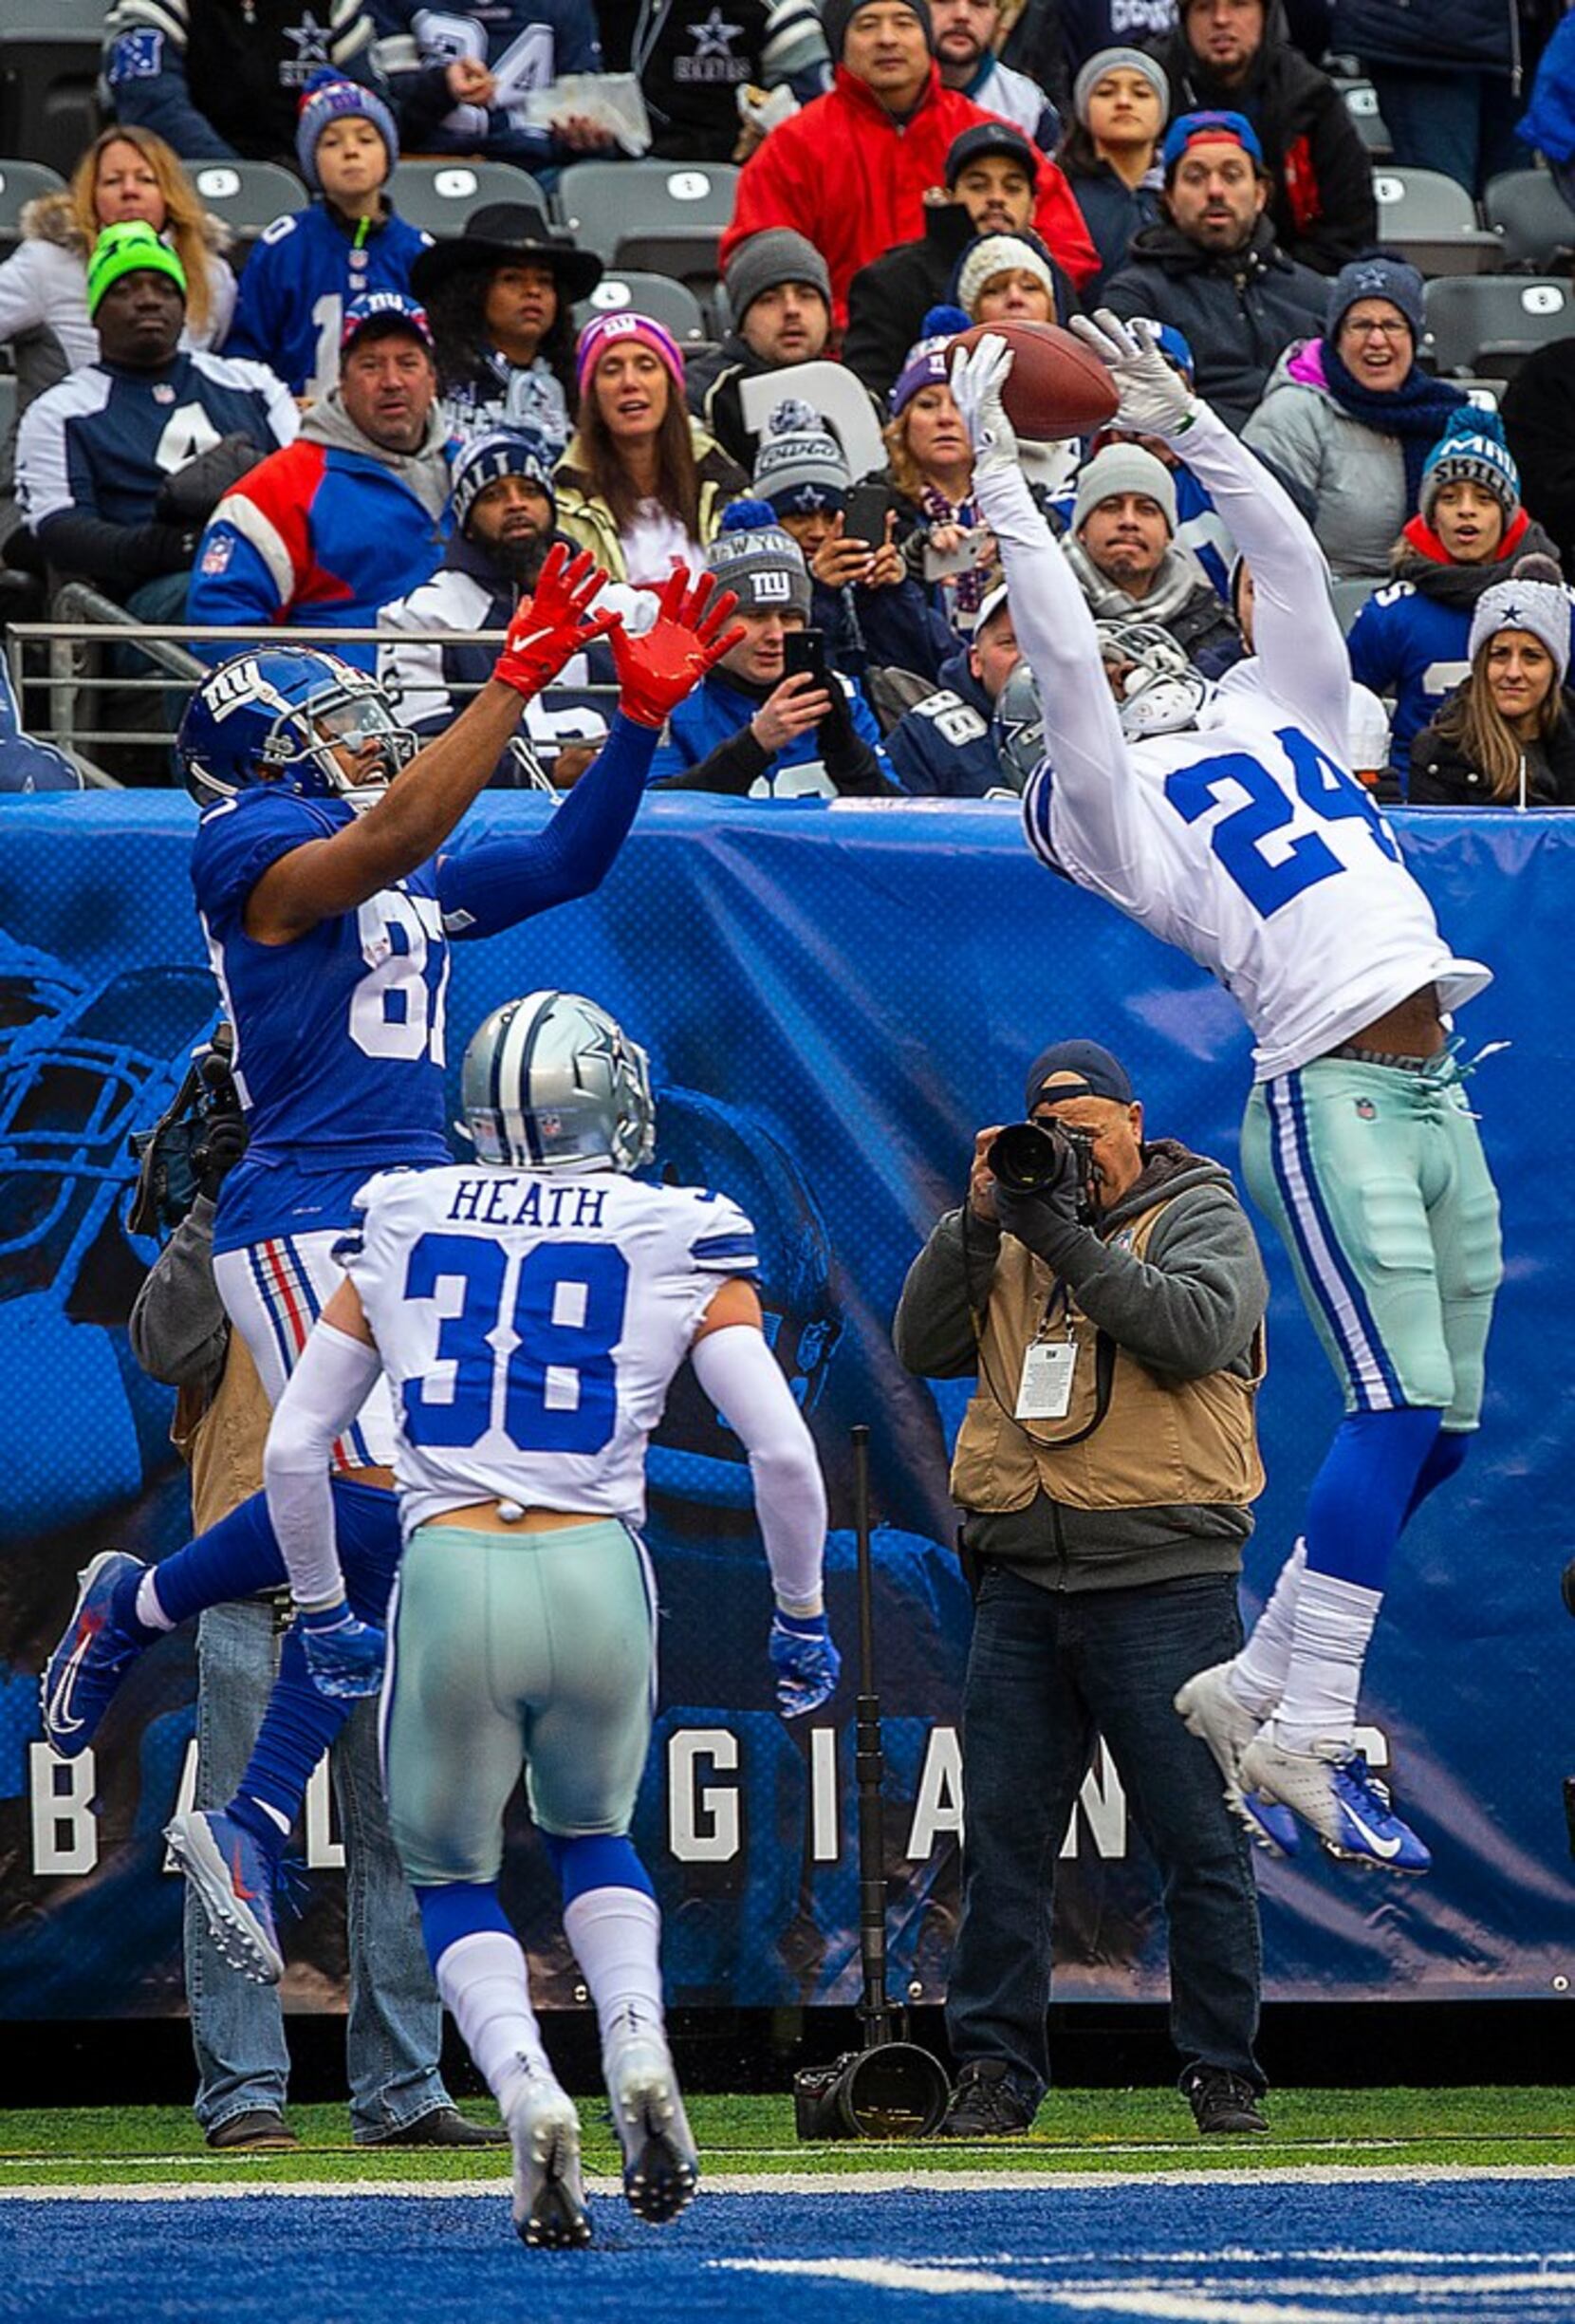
[[1057, 386]]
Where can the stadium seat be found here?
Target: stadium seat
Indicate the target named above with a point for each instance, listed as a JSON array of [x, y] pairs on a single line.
[[668, 303], [440, 194], [664, 217], [8, 404], [1532, 219], [1485, 325], [21, 182], [248, 195], [1362, 104], [48, 94], [1434, 221]]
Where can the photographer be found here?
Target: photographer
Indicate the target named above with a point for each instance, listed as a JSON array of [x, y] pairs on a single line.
[[1105, 1470], [180, 1335]]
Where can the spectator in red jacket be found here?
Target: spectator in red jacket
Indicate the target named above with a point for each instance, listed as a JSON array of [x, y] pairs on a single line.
[[850, 171]]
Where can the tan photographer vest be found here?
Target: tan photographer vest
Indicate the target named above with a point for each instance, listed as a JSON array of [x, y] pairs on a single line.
[[1130, 1439]]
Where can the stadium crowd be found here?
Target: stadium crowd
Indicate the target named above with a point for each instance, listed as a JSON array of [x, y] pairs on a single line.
[[336, 418]]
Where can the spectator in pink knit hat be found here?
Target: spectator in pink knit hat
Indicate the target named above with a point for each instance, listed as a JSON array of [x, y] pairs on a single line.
[[641, 485]]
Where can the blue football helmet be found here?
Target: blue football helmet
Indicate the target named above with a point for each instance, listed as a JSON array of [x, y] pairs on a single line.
[[273, 717]]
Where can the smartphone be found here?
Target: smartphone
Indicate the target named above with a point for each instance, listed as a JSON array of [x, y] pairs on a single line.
[[864, 518], [804, 653], [940, 566]]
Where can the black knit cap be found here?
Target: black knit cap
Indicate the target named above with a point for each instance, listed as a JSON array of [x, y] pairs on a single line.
[[836, 15]]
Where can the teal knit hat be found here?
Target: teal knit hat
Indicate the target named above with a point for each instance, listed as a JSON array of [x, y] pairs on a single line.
[[1472, 450], [130, 248]]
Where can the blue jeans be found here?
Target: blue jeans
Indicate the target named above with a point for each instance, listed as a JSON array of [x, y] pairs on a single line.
[[1460, 122], [393, 2035], [1047, 1672]]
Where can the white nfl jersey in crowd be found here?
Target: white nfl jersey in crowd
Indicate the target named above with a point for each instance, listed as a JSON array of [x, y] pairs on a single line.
[[537, 1319]]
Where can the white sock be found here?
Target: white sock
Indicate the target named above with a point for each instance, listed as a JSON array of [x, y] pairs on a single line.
[[483, 1981], [148, 1608], [615, 1935], [275, 1816], [1258, 1676], [1334, 1622]]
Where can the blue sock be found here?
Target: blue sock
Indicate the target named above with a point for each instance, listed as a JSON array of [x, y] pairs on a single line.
[[1365, 1491], [298, 1727], [597, 1860], [458, 1908], [1448, 1452], [235, 1558]]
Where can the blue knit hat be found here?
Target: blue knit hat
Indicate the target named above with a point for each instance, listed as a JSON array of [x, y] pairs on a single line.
[[1377, 275], [928, 362], [501, 452], [1472, 450], [328, 97]]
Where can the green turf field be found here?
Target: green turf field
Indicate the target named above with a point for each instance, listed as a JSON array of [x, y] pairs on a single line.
[[1077, 2131]]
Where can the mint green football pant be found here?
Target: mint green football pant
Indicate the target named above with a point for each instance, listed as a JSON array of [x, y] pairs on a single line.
[[507, 1650], [1376, 1180]]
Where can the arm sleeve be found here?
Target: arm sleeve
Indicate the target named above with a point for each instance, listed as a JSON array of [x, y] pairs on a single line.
[[253, 332], [412, 673], [1299, 642], [145, 68], [933, 1330], [1093, 791], [743, 1379], [1371, 649], [322, 1397], [231, 581], [852, 751], [498, 882], [1063, 225], [118, 553], [179, 1331], [1193, 1303]]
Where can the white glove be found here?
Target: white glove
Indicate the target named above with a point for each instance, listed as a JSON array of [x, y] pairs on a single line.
[[1155, 401], [978, 377]]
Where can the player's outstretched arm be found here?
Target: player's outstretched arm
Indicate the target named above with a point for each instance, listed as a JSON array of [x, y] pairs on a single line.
[[743, 1379], [338, 1368], [409, 824], [1297, 637], [503, 880], [1090, 771]]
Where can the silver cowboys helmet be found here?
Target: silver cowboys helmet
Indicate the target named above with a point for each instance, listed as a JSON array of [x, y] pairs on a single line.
[[552, 1082], [1162, 691], [1018, 728]]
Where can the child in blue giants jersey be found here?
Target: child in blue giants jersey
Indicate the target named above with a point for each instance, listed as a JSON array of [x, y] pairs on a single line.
[[310, 265], [328, 907]]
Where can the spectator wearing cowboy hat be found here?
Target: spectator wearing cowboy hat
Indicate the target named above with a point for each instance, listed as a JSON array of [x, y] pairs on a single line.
[[310, 265], [498, 295]]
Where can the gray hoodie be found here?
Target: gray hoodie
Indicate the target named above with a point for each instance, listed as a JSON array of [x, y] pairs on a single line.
[[1191, 1305]]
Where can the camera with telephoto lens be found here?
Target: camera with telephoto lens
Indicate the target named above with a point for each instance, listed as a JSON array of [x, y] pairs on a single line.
[[201, 1136], [1026, 1157]]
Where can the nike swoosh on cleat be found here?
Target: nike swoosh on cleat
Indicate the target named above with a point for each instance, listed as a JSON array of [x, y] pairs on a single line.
[[60, 1714], [237, 1879], [1385, 1849]]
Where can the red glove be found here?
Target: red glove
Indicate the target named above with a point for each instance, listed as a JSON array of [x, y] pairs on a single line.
[[689, 638], [554, 622]]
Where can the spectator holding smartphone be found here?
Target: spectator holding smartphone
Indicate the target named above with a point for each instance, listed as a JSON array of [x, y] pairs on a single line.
[[758, 727]]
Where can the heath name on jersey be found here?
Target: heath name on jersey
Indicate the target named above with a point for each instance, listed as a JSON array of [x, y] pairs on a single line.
[[530, 1325]]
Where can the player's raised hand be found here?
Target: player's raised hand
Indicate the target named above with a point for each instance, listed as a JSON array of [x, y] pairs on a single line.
[[694, 628], [554, 622], [808, 1664], [978, 380], [344, 1655], [1155, 401]]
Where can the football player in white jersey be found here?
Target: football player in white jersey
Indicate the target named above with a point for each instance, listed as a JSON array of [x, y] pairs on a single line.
[[1224, 819], [529, 1310]]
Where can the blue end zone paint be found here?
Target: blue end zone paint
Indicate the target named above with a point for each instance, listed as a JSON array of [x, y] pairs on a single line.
[[1453, 2252]]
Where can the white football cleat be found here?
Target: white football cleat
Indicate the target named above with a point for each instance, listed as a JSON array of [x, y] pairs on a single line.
[[1209, 1710], [549, 2193], [1331, 1789], [661, 2169]]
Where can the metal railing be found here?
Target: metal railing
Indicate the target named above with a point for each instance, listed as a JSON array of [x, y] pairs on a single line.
[[81, 664]]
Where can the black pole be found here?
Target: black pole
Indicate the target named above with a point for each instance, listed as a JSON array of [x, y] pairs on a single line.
[[879, 2020]]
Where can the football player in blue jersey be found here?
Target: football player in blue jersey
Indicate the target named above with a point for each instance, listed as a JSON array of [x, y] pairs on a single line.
[[328, 901]]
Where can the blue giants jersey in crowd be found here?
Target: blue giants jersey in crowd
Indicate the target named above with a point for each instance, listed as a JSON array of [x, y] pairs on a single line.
[[339, 1035], [298, 281]]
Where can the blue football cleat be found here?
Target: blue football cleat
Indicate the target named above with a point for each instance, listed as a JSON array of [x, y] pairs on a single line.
[[232, 1875], [1331, 1789], [82, 1676], [1269, 1826]]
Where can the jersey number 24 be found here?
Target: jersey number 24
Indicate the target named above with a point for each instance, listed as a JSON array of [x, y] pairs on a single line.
[[1271, 880], [544, 1372]]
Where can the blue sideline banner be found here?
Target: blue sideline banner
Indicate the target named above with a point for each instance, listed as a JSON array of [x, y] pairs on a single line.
[[834, 998]]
